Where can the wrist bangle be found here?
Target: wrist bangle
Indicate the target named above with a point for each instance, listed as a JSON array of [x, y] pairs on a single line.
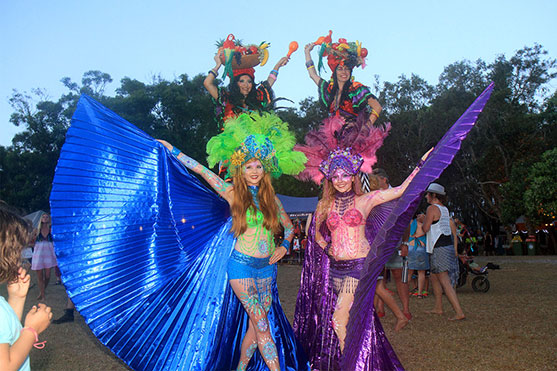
[[310, 67], [36, 344], [375, 113], [175, 151], [275, 72], [211, 72], [309, 64], [272, 76]]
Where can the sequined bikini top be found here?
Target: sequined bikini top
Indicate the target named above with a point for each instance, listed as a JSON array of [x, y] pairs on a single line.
[[254, 220], [352, 218]]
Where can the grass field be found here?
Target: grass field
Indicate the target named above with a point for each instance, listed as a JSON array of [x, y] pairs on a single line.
[[511, 327]]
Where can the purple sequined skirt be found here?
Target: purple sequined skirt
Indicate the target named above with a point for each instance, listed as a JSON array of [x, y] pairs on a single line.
[[344, 274]]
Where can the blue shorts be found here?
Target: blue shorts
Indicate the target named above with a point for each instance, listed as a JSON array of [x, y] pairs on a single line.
[[241, 266]]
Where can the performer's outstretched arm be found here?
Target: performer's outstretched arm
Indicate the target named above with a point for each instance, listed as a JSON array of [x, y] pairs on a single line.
[[309, 64], [214, 181], [274, 73], [209, 82], [378, 197]]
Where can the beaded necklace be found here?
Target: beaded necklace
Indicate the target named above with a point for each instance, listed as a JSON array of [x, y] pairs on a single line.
[[343, 201]]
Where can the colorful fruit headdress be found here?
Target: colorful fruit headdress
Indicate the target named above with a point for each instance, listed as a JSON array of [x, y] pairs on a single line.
[[256, 136], [239, 59], [337, 145], [349, 54]]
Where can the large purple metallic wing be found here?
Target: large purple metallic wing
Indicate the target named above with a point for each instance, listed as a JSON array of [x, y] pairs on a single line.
[[358, 339]]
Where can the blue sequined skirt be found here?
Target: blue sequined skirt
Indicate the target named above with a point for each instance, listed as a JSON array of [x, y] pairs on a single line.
[[241, 266]]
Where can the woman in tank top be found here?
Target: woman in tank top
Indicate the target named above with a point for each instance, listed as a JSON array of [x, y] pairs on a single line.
[[442, 245]]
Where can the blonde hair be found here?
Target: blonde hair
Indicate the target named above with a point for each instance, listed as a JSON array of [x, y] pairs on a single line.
[[14, 236], [41, 222], [243, 200]]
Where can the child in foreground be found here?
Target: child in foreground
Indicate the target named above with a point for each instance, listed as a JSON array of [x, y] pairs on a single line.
[[16, 341]]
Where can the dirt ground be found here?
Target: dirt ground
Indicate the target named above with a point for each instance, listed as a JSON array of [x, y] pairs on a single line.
[[511, 327]]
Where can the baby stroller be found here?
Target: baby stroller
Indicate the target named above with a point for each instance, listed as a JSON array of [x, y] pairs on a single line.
[[480, 283]]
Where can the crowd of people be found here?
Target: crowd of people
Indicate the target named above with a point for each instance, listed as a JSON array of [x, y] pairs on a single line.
[[341, 242]]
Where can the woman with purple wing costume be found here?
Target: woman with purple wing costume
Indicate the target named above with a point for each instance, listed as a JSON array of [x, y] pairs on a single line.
[[335, 320], [339, 240]]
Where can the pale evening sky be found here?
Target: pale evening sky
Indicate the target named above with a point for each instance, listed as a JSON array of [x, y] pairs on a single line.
[[43, 41]]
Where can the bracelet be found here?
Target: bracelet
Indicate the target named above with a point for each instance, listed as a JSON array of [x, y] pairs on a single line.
[[212, 73], [374, 112], [309, 64], [310, 67], [175, 151], [36, 344], [274, 72], [286, 244], [272, 76]]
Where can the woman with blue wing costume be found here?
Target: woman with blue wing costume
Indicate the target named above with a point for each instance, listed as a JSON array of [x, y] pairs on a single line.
[[340, 334], [144, 247]]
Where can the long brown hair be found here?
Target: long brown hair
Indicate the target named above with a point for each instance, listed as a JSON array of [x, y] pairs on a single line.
[[243, 200], [14, 236]]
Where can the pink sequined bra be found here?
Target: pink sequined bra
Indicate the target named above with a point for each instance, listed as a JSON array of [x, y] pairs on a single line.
[[352, 218]]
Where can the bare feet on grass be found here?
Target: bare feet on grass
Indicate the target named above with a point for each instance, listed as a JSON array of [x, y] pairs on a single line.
[[401, 323], [434, 311]]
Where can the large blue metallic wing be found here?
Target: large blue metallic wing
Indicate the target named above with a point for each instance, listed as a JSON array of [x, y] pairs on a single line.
[[142, 244], [143, 248]]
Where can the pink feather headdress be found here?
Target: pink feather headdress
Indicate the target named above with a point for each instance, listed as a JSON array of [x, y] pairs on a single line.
[[332, 135]]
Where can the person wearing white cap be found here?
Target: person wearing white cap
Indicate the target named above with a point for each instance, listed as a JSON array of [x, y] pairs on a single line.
[[442, 245]]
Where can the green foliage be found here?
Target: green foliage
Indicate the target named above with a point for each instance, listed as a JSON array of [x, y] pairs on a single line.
[[487, 182], [512, 193], [540, 197]]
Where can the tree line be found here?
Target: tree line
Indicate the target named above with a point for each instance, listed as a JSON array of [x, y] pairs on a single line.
[[506, 167]]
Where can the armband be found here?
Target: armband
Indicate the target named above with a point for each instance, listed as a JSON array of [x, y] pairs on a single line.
[[286, 244], [175, 151]]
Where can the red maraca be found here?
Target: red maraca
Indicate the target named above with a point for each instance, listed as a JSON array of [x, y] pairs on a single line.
[[292, 48]]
